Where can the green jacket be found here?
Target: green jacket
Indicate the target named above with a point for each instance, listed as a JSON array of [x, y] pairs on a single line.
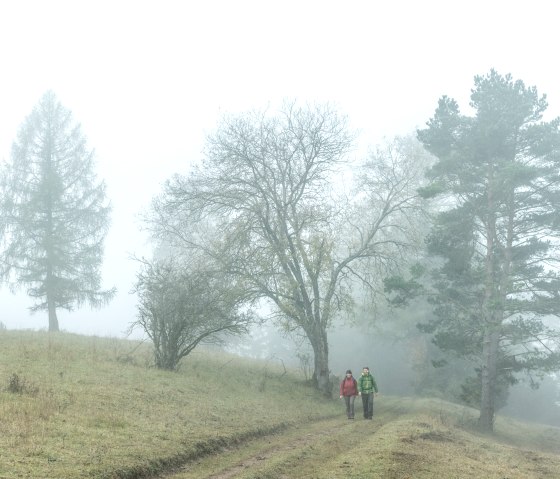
[[367, 384]]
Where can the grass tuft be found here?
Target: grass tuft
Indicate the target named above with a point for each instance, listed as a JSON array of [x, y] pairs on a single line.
[[19, 385]]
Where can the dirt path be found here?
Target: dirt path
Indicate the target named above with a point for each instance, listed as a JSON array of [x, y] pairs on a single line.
[[277, 446], [275, 455], [397, 444]]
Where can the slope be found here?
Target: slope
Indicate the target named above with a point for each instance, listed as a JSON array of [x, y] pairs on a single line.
[[74, 406]]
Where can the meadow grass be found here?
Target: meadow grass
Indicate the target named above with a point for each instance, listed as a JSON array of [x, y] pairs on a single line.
[[75, 406], [409, 438], [438, 439]]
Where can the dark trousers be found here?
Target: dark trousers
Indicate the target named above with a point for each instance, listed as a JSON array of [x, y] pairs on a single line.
[[367, 402], [349, 400]]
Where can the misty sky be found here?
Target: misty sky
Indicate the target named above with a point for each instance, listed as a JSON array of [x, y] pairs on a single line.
[[148, 80]]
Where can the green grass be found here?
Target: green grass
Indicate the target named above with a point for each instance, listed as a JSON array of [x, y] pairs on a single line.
[[427, 438], [408, 438], [91, 407], [74, 406]]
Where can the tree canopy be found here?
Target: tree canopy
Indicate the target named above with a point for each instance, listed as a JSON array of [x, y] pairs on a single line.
[[268, 206]]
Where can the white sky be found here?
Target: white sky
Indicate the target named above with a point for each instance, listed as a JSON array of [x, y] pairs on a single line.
[[148, 79]]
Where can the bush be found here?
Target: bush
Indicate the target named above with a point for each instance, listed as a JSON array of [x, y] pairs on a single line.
[[180, 308], [17, 385]]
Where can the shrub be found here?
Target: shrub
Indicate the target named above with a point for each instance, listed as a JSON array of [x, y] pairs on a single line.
[[17, 385]]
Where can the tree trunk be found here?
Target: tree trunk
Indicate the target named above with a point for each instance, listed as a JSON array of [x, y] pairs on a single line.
[[321, 375], [491, 337], [489, 378], [53, 320]]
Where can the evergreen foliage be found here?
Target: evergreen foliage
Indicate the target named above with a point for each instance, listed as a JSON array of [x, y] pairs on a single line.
[[498, 287], [55, 213]]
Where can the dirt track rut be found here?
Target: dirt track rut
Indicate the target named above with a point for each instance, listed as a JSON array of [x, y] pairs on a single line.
[[287, 449]]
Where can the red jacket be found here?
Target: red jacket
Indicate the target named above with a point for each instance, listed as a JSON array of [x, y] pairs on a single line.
[[349, 387]]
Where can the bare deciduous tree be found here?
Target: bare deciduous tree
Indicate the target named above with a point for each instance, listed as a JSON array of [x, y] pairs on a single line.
[[269, 190]]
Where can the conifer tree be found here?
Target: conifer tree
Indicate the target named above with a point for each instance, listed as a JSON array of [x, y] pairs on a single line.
[[55, 214], [498, 286]]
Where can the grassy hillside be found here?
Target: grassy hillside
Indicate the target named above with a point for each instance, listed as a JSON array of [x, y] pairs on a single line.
[[74, 406]]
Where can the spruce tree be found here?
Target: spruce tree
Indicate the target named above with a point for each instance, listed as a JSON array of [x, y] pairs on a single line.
[[55, 214]]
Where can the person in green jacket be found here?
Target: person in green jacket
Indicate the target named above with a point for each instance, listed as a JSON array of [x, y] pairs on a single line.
[[367, 387]]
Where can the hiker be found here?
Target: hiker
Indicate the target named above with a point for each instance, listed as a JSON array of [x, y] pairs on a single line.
[[367, 387], [349, 391]]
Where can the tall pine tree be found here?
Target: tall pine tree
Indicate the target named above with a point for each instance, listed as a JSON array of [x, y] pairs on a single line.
[[55, 214], [498, 287]]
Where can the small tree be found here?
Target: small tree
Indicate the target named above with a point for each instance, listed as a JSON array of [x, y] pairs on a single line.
[[55, 214], [180, 308]]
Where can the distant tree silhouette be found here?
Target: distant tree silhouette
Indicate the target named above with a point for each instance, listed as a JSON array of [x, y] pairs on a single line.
[[55, 214]]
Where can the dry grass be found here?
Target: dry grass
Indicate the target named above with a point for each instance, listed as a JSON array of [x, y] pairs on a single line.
[[408, 438], [74, 406], [422, 447], [423, 439], [91, 407]]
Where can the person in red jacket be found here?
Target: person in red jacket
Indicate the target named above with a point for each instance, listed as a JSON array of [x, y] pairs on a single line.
[[349, 391]]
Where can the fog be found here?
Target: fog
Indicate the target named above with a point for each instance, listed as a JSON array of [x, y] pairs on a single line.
[[148, 80]]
